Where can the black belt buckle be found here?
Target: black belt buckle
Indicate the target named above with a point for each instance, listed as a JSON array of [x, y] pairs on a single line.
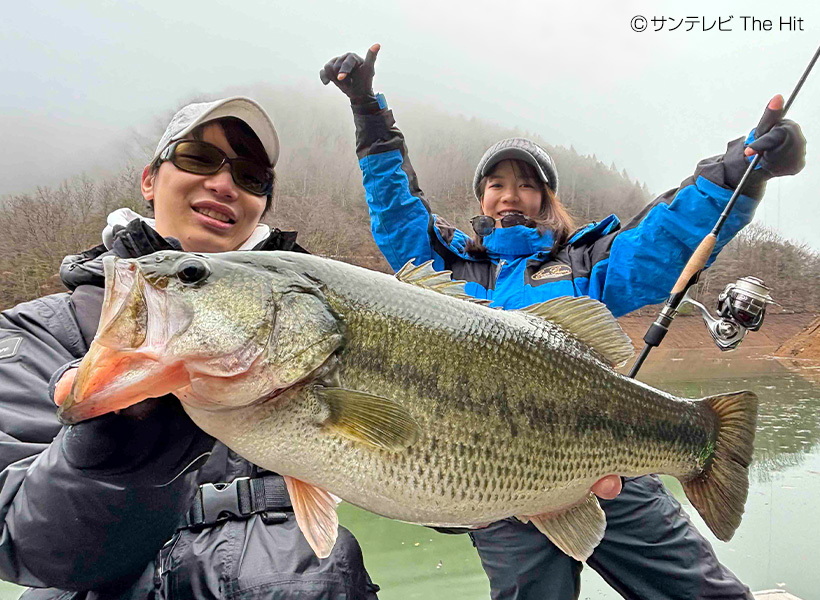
[[220, 498]]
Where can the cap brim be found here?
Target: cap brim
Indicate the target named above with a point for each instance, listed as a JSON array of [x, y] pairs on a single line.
[[514, 154]]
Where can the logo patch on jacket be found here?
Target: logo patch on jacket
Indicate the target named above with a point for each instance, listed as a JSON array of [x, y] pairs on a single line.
[[553, 272], [10, 346]]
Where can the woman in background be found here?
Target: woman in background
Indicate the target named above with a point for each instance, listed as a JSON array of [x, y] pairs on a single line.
[[524, 250]]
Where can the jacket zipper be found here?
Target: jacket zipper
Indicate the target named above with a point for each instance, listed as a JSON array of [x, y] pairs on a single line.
[[498, 267]]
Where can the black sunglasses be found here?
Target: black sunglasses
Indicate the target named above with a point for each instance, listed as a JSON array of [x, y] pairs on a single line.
[[203, 158], [483, 225]]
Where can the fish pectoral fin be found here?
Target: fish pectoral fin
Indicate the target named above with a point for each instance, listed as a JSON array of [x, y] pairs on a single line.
[[368, 419], [315, 511], [576, 531], [590, 322]]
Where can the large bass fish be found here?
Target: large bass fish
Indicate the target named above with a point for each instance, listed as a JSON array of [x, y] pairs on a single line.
[[400, 398]]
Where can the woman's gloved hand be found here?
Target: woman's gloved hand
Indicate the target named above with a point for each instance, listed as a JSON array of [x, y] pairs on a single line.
[[352, 74], [779, 141]]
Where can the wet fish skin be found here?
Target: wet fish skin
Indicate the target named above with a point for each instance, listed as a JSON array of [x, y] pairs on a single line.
[[505, 413]]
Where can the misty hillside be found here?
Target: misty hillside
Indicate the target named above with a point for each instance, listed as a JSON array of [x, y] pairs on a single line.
[[319, 194]]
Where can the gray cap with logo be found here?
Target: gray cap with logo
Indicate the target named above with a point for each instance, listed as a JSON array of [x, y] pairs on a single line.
[[517, 149], [189, 117]]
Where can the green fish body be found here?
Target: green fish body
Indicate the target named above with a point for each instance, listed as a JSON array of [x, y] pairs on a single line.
[[402, 398]]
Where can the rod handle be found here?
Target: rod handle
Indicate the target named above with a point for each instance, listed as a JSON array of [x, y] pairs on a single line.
[[696, 263]]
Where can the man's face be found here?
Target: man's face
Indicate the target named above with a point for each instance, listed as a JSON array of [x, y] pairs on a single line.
[[206, 213]]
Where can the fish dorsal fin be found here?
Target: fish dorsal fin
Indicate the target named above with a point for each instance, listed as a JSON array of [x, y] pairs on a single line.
[[425, 276], [590, 322], [368, 419], [315, 511], [576, 531]]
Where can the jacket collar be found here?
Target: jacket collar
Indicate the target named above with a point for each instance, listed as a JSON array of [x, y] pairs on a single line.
[[122, 217], [136, 238], [514, 242]]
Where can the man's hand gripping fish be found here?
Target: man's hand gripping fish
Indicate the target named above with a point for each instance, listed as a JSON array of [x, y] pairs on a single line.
[[397, 395]]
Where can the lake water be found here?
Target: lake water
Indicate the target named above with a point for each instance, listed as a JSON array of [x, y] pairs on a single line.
[[776, 546]]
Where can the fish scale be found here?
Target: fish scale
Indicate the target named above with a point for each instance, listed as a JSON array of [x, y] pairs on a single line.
[[375, 359]]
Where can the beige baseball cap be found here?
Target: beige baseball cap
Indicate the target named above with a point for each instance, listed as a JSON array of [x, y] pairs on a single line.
[[189, 117]]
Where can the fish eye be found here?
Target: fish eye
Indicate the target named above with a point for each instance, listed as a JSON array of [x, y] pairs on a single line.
[[192, 271]]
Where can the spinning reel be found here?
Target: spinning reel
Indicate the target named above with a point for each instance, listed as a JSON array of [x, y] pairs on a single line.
[[741, 307]]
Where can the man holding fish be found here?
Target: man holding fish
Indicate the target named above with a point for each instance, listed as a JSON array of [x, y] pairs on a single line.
[[125, 505], [315, 404]]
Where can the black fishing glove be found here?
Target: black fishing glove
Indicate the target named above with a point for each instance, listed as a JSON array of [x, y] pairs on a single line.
[[152, 442], [779, 141], [358, 81], [150, 449], [139, 239], [782, 149]]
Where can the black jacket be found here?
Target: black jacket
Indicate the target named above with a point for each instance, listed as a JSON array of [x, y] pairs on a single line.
[[97, 506]]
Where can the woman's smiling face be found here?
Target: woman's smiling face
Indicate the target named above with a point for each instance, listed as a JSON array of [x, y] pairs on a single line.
[[206, 213], [508, 190]]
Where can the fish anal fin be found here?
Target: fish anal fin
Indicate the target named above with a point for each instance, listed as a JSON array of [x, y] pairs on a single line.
[[576, 531], [368, 419], [719, 492], [590, 322], [315, 511]]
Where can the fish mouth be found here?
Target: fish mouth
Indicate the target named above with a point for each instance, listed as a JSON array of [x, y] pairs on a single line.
[[109, 380], [123, 365], [120, 283]]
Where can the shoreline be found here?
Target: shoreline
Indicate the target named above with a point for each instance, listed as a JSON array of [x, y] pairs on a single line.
[[688, 352]]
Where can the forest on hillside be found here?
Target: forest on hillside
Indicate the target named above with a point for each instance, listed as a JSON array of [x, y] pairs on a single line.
[[319, 194]]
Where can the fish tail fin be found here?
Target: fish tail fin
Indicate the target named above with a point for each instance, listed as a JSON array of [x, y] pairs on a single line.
[[719, 491]]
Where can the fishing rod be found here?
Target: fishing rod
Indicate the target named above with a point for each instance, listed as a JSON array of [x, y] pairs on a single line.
[[751, 302]]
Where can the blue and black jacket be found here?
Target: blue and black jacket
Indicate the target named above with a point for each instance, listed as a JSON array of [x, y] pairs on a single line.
[[625, 267]]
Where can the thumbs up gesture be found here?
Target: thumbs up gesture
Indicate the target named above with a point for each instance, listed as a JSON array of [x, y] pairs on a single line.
[[352, 74]]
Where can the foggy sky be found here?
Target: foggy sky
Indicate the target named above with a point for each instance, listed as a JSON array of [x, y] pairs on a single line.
[[76, 77]]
